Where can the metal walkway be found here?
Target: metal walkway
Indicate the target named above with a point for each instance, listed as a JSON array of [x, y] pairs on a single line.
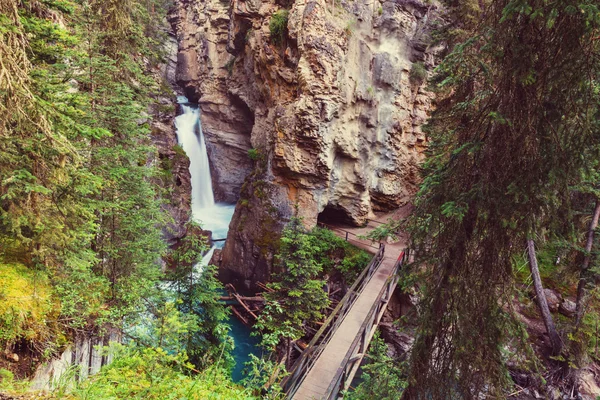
[[330, 361]]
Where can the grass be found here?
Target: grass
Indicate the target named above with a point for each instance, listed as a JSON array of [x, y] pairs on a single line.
[[278, 26]]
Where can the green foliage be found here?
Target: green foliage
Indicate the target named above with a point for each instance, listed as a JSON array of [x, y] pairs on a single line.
[[179, 151], [418, 73], [278, 26], [254, 154], [8, 383], [586, 339], [26, 305], [338, 255], [153, 373], [229, 65], [350, 27], [383, 377], [260, 373], [390, 229], [79, 200], [298, 294], [509, 137], [197, 292]]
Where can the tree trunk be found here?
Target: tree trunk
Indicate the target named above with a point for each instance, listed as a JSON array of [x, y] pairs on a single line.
[[288, 353], [541, 299], [580, 310]]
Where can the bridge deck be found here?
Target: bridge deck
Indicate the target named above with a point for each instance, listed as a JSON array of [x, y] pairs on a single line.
[[320, 376]]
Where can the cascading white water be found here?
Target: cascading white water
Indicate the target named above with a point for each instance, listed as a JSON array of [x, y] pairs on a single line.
[[191, 138], [214, 217]]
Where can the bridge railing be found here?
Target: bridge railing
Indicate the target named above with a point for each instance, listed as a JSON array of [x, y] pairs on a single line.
[[355, 354], [308, 357], [352, 237]]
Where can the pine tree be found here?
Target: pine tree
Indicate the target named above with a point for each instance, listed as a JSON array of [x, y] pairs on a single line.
[[516, 124]]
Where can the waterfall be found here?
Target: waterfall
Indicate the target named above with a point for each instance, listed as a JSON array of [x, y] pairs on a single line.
[[191, 138], [214, 217]]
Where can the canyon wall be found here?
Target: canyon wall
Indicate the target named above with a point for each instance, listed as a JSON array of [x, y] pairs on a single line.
[[332, 110], [174, 175]]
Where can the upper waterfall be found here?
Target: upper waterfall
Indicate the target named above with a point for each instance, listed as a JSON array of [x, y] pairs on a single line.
[[191, 138], [214, 217]]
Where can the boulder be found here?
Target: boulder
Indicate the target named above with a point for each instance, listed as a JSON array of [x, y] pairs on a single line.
[[553, 298], [587, 386], [567, 308]]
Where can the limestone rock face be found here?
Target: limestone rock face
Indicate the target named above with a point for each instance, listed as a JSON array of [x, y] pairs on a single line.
[[172, 162], [335, 108], [205, 72]]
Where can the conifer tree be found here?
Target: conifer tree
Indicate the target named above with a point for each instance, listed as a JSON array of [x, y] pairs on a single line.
[[516, 123]]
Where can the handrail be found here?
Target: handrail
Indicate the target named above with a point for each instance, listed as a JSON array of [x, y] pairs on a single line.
[[378, 222], [291, 383], [348, 233], [345, 371]]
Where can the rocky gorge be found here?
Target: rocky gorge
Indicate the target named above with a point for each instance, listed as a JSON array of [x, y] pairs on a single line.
[[324, 120]]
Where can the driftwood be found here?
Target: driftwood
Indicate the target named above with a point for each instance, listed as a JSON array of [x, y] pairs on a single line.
[[264, 287], [239, 299], [239, 316]]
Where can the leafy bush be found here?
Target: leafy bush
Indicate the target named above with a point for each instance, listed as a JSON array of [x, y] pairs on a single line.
[[152, 373], [338, 254], [25, 304], [278, 26], [383, 377], [390, 229]]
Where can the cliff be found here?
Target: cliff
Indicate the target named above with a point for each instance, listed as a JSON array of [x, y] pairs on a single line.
[[174, 178], [333, 107]]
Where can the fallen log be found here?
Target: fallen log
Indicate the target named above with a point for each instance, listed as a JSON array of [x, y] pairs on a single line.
[[239, 316], [264, 287], [239, 299]]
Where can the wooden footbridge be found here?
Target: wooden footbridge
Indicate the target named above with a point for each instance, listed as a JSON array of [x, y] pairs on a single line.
[[327, 366]]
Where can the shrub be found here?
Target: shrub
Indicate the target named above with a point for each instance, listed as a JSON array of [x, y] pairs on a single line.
[[179, 151], [278, 26], [152, 373], [254, 154], [25, 304], [418, 73]]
